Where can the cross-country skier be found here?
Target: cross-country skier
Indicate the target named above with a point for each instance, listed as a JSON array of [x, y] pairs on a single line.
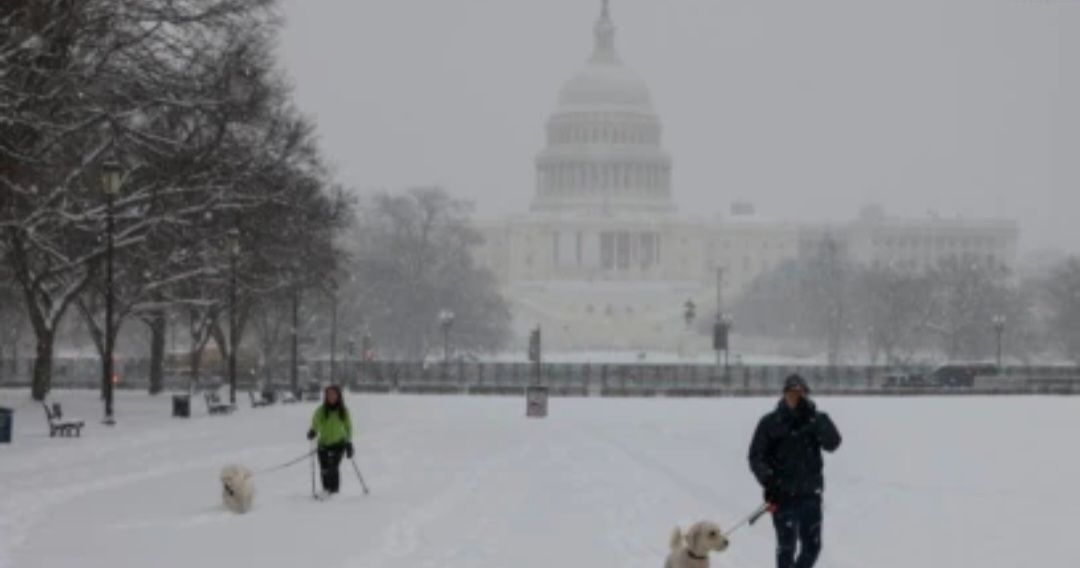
[[785, 457], [332, 426]]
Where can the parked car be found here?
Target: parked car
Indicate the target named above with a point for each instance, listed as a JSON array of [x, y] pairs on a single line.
[[901, 379], [962, 375]]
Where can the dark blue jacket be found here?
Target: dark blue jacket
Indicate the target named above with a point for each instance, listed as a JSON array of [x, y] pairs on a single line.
[[786, 451]]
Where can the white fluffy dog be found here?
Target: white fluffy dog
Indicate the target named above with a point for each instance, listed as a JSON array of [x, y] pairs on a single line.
[[237, 488], [692, 550]]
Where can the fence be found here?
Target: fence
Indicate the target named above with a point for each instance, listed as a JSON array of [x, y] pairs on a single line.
[[611, 380]]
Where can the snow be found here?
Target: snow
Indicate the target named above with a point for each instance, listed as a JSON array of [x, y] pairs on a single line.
[[469, 482]]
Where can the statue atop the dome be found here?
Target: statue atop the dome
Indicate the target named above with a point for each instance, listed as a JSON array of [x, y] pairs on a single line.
[[605, 36]]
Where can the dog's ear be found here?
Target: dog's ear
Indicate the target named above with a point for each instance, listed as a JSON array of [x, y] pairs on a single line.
[[676, 541], [693, 537]]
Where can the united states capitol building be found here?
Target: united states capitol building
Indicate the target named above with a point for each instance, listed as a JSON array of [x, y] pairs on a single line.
[[603, 260]]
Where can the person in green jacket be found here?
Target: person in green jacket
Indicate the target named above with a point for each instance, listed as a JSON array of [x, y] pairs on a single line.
[[333, 427]]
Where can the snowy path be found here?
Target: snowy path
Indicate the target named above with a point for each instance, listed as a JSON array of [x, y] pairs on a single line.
[[470, 483]]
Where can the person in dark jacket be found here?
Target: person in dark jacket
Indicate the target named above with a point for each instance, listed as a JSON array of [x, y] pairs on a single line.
[[785, 457], [332, 426]]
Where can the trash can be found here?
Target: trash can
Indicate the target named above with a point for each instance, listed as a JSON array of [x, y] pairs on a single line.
[[7, 424], [536, 402], [269, 395], [181, 406]]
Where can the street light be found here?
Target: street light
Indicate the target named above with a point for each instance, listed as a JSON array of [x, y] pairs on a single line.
[[111, 178], [232, 243], [999, 329], [690, 312], [722, 339], [446, 319], [367, 354]]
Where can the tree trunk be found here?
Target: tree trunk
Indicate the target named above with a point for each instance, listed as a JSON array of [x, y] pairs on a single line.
[[15, 358], [196, 366], [43, 365], [157, 352], [294, 374]]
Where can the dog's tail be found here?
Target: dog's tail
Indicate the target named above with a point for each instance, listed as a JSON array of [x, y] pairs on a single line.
[[676, 539]]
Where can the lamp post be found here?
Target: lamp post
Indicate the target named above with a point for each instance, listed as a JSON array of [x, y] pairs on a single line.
[[446, 319], [722, 340], [111, 178], [999, 329], [232, 240], [366, 355]]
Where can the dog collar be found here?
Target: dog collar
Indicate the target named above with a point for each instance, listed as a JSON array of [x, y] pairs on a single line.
[[691, 554]]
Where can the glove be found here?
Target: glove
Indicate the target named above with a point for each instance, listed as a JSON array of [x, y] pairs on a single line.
[[311, 434], [348, 450], [806, 411], [772, 493]]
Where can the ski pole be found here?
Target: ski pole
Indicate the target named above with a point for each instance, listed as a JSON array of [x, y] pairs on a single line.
[[314, 494], [359, 475], [752, 518]]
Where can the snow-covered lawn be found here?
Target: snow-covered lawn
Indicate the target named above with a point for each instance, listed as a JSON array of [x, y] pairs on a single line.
[[470, 483]]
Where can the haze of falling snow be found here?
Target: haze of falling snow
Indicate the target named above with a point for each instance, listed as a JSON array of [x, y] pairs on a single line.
[[809, 109]]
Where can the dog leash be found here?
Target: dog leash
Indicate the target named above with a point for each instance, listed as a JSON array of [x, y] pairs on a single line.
[[751, 519], [289, 463]]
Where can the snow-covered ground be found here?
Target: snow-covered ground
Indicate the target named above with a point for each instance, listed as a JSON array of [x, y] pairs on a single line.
[[470, 483]]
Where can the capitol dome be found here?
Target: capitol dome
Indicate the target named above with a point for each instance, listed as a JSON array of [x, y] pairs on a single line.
[[604, 148], [605, 86]]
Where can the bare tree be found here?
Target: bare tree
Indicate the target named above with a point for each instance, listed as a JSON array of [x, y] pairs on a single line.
[[1062, 296], [186, 96], [827, 284], [968, 293], [895, 310], [12, 324], [414, 259], [85, 82]]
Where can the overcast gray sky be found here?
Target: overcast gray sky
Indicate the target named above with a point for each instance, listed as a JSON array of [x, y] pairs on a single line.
[[809, 108]]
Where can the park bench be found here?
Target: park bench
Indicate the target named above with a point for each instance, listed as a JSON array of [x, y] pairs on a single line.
[[260, 400], [58, 425], [214, 405]]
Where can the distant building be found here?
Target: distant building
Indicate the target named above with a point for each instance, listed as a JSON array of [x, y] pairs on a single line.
[[602, 260]]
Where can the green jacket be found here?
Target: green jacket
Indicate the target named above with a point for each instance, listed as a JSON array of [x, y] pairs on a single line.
[[332, 427]]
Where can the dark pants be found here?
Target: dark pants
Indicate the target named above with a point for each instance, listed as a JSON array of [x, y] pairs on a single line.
[[329, 461], [798, 527]]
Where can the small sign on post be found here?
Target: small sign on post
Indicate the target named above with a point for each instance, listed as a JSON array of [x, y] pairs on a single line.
[[536, 395], [536, 402]]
